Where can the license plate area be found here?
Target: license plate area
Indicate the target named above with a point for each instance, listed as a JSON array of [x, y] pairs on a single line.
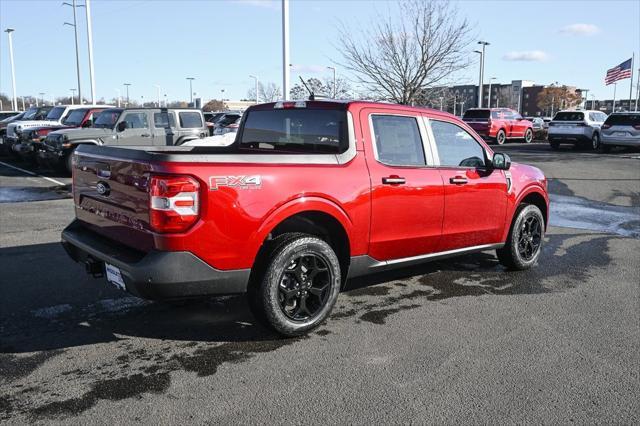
[[114, 276]]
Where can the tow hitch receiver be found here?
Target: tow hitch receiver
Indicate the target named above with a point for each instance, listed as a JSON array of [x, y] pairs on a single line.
[[94, 267]]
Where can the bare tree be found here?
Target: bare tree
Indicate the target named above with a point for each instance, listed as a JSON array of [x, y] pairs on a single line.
[[397, 60], [554, 98], [267, 93]]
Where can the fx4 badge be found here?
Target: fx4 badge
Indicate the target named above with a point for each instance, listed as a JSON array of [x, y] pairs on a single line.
[[241, 182]]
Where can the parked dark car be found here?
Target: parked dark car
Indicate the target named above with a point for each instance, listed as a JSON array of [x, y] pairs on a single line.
[[227, 122], [540, 127]]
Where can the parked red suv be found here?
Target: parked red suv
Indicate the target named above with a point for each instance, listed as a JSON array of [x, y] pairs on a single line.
[[499, 124], [309, 194]]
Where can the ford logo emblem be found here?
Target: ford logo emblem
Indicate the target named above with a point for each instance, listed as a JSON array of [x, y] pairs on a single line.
[[103, 188]]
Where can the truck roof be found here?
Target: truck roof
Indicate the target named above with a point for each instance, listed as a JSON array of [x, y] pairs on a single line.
[[346, 104]]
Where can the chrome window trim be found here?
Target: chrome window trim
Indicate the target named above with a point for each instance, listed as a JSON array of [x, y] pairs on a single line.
[[428, 158]]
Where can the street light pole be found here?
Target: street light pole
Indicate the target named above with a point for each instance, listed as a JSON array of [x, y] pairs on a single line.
[[256, 79], [75, 32], [13, 68], [285, 49], [73, 95], [158, 88], [484, 44], [118, 91], [87, 9], [479, 80], [42, 96], [127, 86], [335, 94], [191, 88]]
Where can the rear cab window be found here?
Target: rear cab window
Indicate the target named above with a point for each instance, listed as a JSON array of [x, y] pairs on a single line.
[[296, 130], [190, 119], [477, 114]]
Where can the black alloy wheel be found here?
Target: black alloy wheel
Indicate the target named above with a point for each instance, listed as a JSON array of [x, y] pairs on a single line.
[[304, 287], [595, 141], [529, 237], [501, 137]]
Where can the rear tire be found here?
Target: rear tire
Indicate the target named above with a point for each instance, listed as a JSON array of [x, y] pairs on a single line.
[[295, 288], [501, 137], [528, 136], [524, 242]]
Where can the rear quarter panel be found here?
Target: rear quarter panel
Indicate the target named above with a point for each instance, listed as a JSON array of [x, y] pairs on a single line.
[[236, 219]]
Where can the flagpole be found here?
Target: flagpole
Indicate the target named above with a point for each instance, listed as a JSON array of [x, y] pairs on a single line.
[[637, 90], [633, 56], [615, 86]]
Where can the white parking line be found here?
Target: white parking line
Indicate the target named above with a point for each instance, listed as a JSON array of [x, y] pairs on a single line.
[[57, 182]]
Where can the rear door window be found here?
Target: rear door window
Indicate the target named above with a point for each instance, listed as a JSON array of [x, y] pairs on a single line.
[[190, 120], [456, 147], [136, 120], [397, 140], [162, 119]]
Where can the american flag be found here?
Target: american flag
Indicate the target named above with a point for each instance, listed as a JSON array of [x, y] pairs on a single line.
[[619, 72]]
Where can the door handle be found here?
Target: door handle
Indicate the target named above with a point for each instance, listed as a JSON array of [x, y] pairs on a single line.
[[393, 180], [458, 180], [145, 135]]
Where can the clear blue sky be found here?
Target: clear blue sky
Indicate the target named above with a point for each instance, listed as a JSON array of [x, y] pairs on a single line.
[[221, 42]]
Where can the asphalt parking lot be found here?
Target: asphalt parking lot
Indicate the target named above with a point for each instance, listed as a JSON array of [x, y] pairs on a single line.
[[457, 341]]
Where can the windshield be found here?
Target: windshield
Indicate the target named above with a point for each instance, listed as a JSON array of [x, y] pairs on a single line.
[[623, 120], [107, 118], [296, 130], [14, 118], [476, 113], [56, 113], [75, 117], [30, 113], [569, 116]]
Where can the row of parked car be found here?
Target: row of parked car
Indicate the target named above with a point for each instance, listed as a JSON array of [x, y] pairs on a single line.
[[49, 134], [580, 128]]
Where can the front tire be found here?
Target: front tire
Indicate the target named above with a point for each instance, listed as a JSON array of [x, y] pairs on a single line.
[[595, 141], [524, 242], [501, 137], [297, 286]]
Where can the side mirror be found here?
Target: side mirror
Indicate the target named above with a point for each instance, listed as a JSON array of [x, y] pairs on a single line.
[[501, 161], [121, 126], [87, 123]]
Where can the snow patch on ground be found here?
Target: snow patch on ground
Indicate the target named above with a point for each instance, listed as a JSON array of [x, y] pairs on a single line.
[[51, 312], [575, 212]]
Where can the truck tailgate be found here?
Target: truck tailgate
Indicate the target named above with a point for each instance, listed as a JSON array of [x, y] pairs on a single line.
[[111, 197]]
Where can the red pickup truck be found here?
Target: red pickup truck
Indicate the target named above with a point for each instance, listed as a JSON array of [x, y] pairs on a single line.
[[309, 194], [499, 124]]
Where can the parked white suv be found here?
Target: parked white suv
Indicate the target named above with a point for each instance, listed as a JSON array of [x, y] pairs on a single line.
[[577, 127], [54, 118], [621, 129]]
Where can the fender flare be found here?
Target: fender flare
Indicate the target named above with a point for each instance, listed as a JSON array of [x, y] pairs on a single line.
[[291, 208], [532, 188]]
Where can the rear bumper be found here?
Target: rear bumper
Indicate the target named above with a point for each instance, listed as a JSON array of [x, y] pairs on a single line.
[[154, 275], [612, 140], [577, 138]]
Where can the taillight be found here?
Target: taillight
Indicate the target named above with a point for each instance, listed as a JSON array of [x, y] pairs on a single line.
[[173, 203], [636, 126], [233, 126], [606, 126]]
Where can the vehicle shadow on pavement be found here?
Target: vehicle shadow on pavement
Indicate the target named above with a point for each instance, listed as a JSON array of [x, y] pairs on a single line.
[[50, 303]]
